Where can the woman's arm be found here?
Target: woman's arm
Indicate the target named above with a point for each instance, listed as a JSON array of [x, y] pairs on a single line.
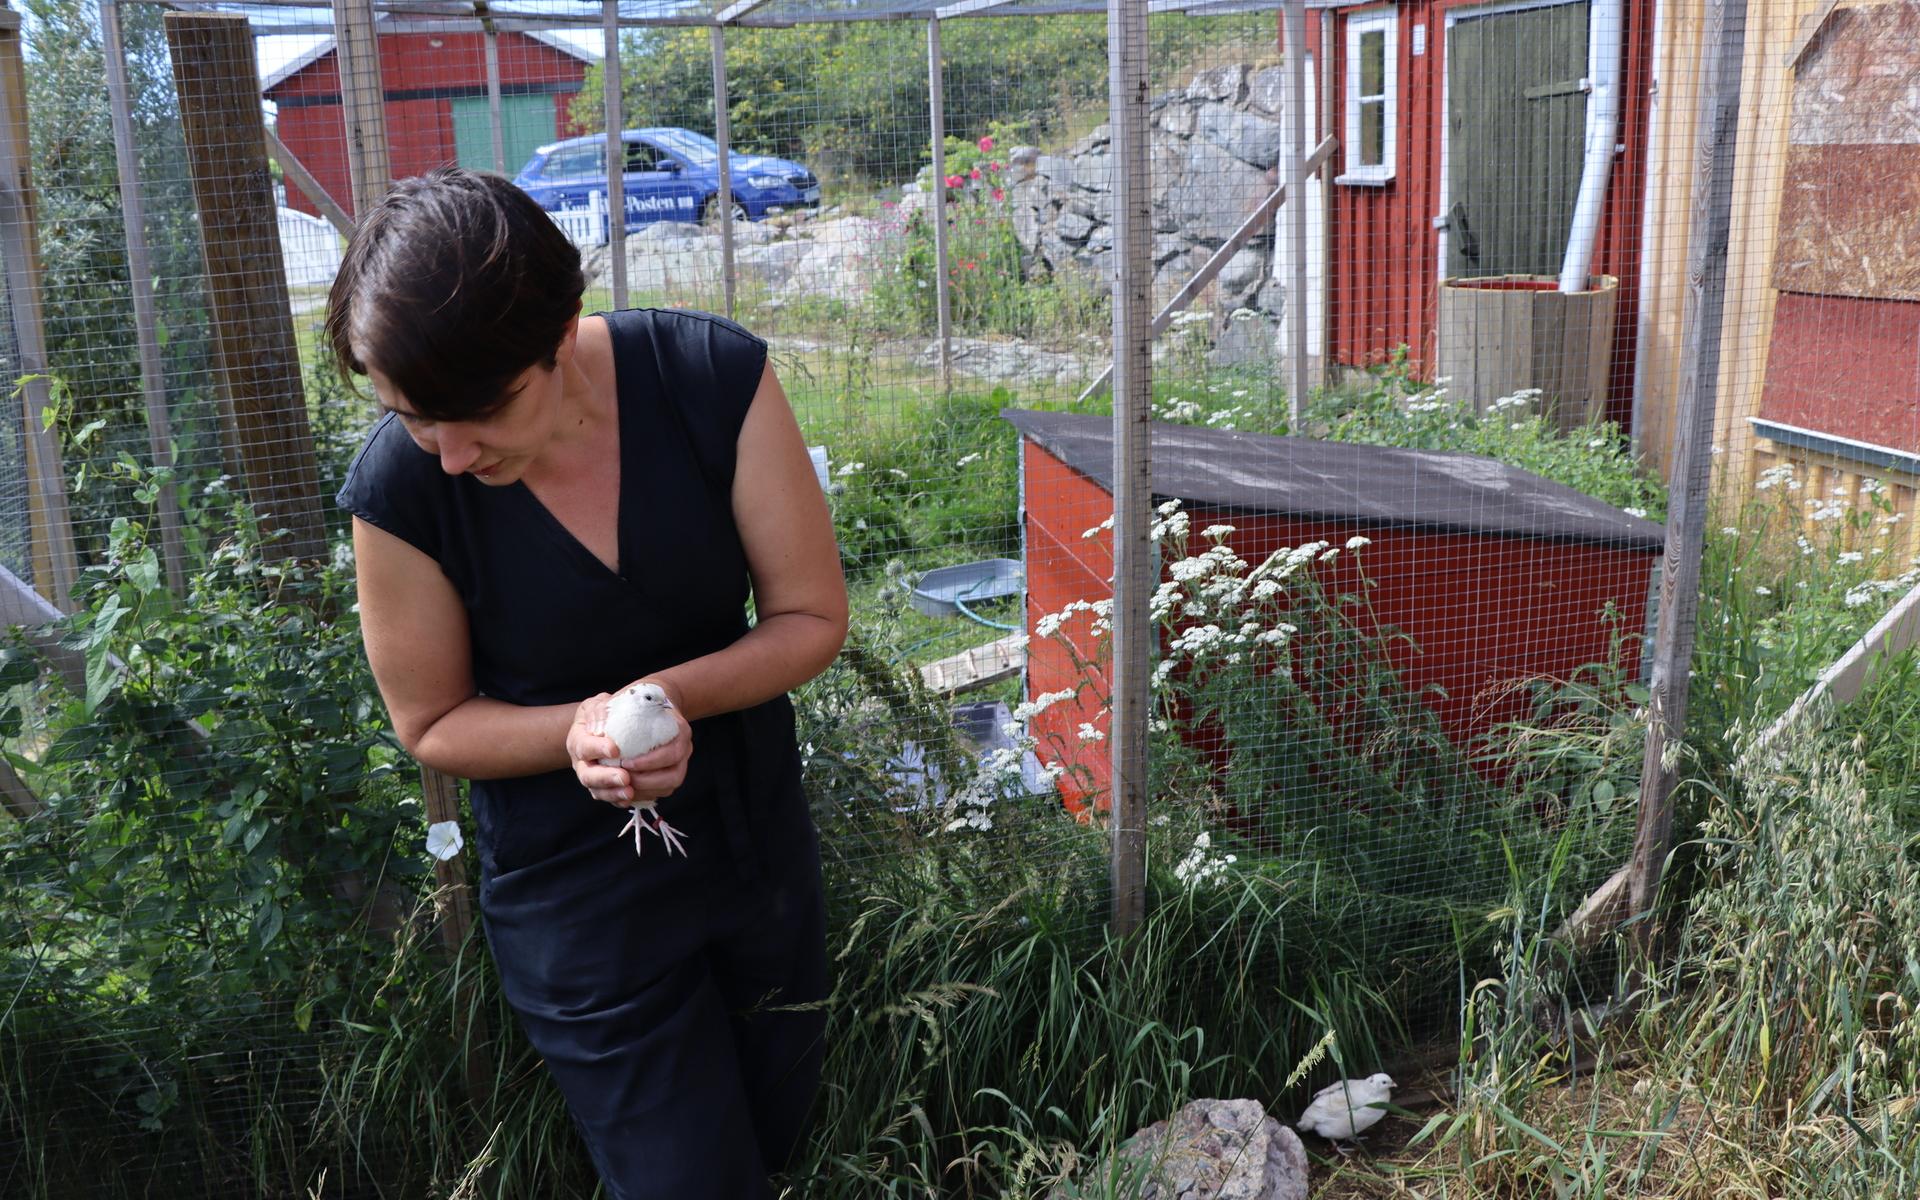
[[415, 630], [799, 596]]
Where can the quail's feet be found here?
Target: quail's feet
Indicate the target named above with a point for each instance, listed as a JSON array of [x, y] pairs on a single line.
[[638, 823]]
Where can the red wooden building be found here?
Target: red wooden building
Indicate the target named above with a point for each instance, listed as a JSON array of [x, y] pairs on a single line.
[[1461, 127], [1497, 575], [436, 93]]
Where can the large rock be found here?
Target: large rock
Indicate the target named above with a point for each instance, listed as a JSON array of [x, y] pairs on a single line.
[[1022, 162], [1072, 227], [842, 258], [1267, 90], [1014, 362], [1242, 273], [1167, 246], [1055, 167], [1093, 172], [1210, 195], [1271, 298], [1227, 83], [1215, 1150], [1093, 141], [1244, 341], [1248, 138], [1177, 119], [1100, 239], [772, 264]]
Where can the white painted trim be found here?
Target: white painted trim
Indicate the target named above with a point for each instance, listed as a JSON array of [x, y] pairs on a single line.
[[1454, 16], [1385, 21]]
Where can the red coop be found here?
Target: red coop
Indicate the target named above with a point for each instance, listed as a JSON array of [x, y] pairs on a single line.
[[1496, 575], [437, 112], [1461, 125]]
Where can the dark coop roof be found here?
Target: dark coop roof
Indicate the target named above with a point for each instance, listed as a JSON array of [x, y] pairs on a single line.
[[1340, 481]]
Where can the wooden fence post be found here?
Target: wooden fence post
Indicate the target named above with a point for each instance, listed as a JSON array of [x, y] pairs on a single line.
[[146, 322], [363, 97], [56, 566], [1136, 566], [1721, 51], [248, 310]]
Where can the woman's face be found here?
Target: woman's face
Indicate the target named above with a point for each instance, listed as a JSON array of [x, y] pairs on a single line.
[[497, 448]]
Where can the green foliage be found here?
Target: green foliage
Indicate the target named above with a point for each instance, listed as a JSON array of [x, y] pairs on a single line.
[[87, 297], [1395, 409]]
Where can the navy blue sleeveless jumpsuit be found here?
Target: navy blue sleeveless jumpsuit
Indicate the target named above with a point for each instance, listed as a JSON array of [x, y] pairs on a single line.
[[679, 1002]]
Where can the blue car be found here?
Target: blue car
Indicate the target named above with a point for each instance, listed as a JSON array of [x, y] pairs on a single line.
[[671, 175]]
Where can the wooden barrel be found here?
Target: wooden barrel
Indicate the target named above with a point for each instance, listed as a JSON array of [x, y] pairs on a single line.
[[1501, 334]]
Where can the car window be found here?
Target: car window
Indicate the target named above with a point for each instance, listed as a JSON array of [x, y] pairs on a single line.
[[640, 157], [571, 161]]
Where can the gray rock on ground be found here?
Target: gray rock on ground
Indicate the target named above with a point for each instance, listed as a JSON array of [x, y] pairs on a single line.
[[1215, 1150]]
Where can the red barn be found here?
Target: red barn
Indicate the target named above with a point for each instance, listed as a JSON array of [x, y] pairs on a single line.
[[1496, 574], [1461, 127], [437, 115]]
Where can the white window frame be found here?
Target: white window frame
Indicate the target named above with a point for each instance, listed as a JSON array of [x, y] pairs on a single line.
[[1384, 21]]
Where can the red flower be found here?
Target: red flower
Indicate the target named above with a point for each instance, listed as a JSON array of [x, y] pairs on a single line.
[[954, 181], [974, 174], [986, 144], [999, 193]]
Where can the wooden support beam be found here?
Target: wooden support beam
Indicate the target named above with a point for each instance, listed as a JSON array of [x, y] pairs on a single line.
[[248, 309], [15, 796], [1809, 30], [1722, 49], [56, 565], [303, 179], [976, 666], [1217, 262], [453, 908], [146, 321], [356, 50]]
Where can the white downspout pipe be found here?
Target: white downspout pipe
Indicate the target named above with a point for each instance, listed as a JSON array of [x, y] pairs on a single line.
[[1606, 39]]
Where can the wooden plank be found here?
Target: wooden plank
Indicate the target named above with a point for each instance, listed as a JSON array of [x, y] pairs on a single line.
[[249, 315], [616, 151], [1136, 566], [1809, 30], [15, 796], [1256, 222], [303, 179], [56, 565], [357, 51], [1857, 87], [146, 324], [1722, 50], [977, 666]]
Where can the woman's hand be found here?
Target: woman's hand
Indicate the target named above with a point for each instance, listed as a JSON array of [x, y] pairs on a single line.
[[651, 776]]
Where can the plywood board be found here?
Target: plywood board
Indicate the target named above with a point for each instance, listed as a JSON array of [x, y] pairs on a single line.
[[1850, 221], [1855, 86]]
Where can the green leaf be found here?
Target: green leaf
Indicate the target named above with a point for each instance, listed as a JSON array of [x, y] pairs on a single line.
[[267, 922], [144, 572]]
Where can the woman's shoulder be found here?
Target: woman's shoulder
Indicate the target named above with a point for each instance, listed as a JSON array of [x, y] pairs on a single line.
[[673, 326], [396, 486]]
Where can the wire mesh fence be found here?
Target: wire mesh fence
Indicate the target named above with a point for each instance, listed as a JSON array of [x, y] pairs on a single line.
[[1506, 395]]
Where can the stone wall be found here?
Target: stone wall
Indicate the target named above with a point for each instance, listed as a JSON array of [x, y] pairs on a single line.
[[1215, 153]]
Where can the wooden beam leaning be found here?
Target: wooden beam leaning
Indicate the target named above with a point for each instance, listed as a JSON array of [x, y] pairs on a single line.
[[56, 565], [146, 324], [257, 359], [1217, 262], [309, 186]]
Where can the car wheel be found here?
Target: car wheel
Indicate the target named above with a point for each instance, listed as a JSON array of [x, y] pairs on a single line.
[[710, 212]]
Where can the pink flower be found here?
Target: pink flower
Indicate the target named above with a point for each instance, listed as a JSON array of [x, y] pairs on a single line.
[[974, 174], [889, 204], [954, 181], [986, 144], [999, 193]]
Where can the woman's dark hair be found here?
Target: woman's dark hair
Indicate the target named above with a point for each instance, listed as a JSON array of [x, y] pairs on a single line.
[[452, 287]]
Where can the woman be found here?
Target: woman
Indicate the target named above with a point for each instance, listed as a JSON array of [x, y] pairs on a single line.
[[555, 506]]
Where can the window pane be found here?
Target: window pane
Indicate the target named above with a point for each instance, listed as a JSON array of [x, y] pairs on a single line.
[[1373, 132], [1373, 62]]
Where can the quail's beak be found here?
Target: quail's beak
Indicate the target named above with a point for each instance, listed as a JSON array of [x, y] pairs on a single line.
[[665, 703]]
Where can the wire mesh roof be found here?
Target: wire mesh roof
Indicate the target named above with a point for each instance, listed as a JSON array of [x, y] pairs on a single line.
[[296, 16]]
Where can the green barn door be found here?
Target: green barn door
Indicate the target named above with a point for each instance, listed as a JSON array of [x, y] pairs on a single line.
[[526, 124], [1516, 121]]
